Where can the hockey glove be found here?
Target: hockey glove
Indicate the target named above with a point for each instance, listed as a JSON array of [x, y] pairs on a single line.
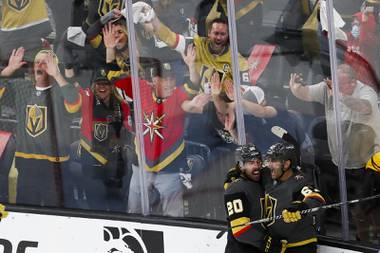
[[293, 213], [231, 176], [3, 213], [271, 245]]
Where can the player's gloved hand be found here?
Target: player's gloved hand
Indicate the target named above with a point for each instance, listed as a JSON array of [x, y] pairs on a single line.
[[293, 213], [3, 213], [231, 176], [290, 217], [271, 245]]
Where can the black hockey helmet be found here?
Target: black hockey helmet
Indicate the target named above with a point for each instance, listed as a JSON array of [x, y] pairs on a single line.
[[248, 152], [282, 151]]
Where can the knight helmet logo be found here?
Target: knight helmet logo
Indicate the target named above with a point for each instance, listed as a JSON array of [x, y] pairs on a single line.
[[106, 6], [100, 131], [36, 120], [18, 5], [268, 208]]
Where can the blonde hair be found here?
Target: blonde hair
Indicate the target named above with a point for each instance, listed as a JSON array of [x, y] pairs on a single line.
[[121, 55], [47, 51]]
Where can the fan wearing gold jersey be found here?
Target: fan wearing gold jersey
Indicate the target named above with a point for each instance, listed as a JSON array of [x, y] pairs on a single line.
[[24, 23], [249, 15], [212, 52]]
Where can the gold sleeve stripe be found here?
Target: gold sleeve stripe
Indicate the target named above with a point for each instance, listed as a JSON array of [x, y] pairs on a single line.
[[168, 36], [237, 231], [301, 243], [243, 11], [2, 90], [12, 183], [97, 156], [73, 107], [42, 157], [315, 196], [95, 42], [170, 158]]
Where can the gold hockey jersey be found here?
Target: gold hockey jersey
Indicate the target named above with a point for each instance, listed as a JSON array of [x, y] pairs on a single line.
[[20, 14], [207, 63]]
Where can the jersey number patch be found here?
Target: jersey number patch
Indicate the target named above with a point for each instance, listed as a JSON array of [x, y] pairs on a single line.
[[234, 207], [237, 205]]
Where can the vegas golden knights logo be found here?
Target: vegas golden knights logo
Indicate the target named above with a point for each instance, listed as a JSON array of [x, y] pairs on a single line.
[[226, 68], [206, 74], [18, 5], [268, 208], [100, 131], [106, 6], [36, 120]]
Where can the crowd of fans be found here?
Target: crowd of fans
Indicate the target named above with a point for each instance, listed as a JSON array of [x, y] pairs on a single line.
[[67, 97]]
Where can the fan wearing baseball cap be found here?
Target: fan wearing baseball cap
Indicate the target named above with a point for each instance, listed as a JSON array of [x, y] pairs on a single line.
[[106, 125], [164, 105]]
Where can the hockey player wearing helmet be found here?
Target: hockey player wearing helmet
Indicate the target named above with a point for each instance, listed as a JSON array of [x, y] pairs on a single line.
[[289, 194], [242, 198], [283, 160], [250, 161]]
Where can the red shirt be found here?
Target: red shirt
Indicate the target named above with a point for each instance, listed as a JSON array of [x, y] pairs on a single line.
[[95, 129], [362, 52], [163, 124]]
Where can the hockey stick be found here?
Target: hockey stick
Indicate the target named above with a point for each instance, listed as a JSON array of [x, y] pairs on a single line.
[[305, 211], [285, 136]]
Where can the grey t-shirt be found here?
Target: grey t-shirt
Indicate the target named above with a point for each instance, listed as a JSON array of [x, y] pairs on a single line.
[[360, 132]]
